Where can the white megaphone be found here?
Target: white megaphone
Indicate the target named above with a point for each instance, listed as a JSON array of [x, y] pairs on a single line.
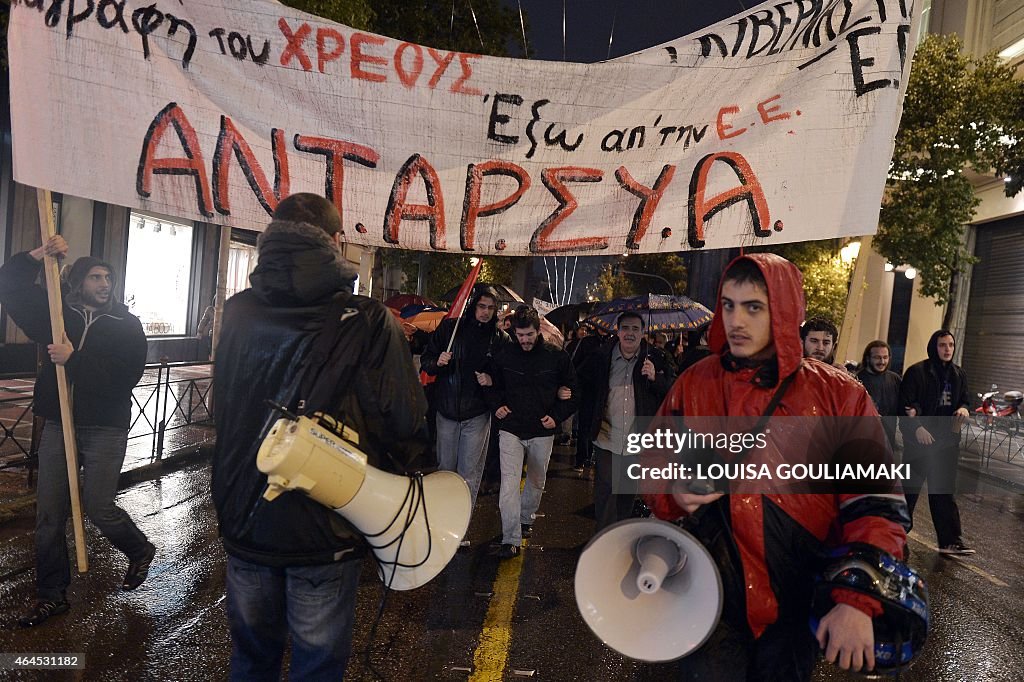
[[414, 524], [649, 590]]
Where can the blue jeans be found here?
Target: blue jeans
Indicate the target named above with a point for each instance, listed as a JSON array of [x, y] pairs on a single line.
[[517, 509], [314, 604], [462, 447], [100, 455]]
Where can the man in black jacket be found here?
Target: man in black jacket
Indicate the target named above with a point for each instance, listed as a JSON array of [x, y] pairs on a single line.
[[525, 395], [104, 359], [293, 565], [626, 379], [882, 385], [463, 418], [934, 393]]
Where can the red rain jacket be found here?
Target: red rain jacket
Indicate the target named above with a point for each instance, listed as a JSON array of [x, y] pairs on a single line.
[[709, 389]]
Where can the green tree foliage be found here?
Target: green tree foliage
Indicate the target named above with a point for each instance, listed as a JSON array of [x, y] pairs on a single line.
[[826, 276], [355, 13], [959, 112], [427, 23], [615, 280], [446, 270]]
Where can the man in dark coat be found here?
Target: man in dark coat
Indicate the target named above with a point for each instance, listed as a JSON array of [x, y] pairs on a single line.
[[293, 565], [104, 358], [934, 393], [526, 392], [626, 379], [463, 418], [882, 385]]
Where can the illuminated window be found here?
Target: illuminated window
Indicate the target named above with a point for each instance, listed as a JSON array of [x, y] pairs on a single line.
[[158, 274], [241, 262]]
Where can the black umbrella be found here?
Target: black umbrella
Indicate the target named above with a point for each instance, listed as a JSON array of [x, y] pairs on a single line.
[[505, 294], [567, 316], [662, 313]]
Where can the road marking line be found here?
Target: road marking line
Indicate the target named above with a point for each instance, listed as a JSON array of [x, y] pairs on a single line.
[[960, 560], [491, 654]]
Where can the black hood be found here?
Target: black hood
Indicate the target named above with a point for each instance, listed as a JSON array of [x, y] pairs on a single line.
[[299, 264], [933, 345], [469, 314]]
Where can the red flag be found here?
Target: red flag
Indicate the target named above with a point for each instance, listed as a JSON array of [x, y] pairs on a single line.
[[458, 306]]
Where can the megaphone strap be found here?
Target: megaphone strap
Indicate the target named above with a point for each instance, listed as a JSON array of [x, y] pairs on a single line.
[[415, 491]]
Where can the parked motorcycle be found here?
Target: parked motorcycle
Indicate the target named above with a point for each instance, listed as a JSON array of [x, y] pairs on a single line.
[[1000, 411]]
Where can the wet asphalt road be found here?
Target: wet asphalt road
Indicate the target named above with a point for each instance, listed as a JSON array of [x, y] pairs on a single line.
[[174, 626]]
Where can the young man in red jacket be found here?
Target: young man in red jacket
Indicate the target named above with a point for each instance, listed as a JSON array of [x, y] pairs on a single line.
[[766, 544]]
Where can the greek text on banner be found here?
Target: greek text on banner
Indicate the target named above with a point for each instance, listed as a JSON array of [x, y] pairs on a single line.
[[776, 125]]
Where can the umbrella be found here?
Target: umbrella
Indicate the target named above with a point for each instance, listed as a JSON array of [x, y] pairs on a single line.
[[567, 316], [416, 309], [660, 313], [399, 301], [426, 321], [505, 294]]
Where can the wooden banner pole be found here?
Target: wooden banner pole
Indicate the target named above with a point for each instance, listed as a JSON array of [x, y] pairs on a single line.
[[47, 230]]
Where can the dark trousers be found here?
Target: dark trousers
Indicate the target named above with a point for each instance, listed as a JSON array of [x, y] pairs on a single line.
[[937, 465], [783, 653], [584, 449], [101, 452], [609, 508]]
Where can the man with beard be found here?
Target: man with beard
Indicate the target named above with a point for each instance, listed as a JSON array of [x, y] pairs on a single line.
[[934, 392], [882, 385], [524, 393], [463, 417], [104, 358], [627, 378], [819, 337]]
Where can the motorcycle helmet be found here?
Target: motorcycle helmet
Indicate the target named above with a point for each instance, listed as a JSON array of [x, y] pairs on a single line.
[[902, 628]]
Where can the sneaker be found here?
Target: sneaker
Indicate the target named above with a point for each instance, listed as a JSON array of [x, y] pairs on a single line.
[[527, 529], [138, 569], [956, 549], [43, 610], [508, 551]]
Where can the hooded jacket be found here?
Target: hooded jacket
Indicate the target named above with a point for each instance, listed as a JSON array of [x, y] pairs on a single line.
[[267, 334], [528, 383], [922, 389], [110, 345], [457, 393], [779, 537]]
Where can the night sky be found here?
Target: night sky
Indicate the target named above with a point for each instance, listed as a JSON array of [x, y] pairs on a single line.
[[638, 24]]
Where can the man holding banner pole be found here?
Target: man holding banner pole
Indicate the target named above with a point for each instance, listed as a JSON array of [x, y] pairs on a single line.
[[104, 357]]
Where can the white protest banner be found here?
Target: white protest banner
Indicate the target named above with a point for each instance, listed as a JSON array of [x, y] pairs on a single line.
[[774, 126], [543, 307]]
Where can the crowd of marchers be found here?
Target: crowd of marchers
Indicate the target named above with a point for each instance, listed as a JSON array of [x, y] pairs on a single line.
[[492, 400]]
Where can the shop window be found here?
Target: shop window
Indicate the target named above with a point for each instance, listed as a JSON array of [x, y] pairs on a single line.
[[159, 274]]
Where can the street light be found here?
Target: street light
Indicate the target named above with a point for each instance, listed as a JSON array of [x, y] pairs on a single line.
[[618, 270], [849, 253]]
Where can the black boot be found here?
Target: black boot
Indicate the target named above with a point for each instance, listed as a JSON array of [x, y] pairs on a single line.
[[138, 569], [43, 610]]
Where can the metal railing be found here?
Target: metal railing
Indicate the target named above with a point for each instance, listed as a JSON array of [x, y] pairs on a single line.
[[994, 437], [171, 397], [181, 396]]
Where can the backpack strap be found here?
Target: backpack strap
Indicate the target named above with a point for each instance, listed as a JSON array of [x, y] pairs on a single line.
[[328, 367]]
